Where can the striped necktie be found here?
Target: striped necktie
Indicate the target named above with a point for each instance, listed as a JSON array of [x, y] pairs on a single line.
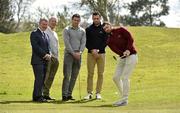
[[44, 36]]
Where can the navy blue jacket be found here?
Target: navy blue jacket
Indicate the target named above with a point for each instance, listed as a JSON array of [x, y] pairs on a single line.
[[40, 47]]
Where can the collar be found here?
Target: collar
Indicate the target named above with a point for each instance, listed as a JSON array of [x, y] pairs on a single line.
[[74, 28], [50, 28], [40, 29], [96, 26]]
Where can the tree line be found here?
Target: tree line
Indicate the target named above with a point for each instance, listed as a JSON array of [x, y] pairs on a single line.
[[15, 15]]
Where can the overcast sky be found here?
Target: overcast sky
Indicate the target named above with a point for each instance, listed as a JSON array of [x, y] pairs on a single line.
[[172, 20]]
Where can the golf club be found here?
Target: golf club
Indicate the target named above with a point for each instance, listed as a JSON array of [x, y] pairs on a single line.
[[79, 87], [114, 57]]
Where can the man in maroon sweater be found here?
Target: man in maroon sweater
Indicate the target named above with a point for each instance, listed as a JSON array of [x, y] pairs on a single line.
[[121, 42]]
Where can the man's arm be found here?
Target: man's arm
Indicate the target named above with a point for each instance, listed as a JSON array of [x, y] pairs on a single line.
[[88, 39], [66, 41], [105, 37], [83, 41], [35, 46], [130, 41], [129, 38]]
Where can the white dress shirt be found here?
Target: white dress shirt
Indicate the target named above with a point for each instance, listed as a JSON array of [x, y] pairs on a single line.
[[53, 41]]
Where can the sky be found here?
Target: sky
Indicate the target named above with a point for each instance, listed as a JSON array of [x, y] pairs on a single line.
[[172, 20]]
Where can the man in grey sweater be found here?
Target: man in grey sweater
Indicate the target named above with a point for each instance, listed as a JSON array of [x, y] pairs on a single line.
[[74, 40]]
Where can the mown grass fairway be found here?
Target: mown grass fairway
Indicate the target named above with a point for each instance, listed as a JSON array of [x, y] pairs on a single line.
[[155, 83]]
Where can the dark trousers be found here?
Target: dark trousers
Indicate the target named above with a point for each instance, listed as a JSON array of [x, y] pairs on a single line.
[[39, 74]]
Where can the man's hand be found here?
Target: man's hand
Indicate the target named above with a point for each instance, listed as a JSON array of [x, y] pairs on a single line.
[[47, 57], [53, 58], [95, 53], [126, 53], [77, 55]]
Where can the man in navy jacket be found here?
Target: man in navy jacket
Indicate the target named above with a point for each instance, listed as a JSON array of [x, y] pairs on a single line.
[[40, 56]]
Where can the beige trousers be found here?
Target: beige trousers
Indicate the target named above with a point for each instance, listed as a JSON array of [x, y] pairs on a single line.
[[91, 62]]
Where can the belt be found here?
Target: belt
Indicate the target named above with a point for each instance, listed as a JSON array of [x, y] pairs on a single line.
[[122, 57]]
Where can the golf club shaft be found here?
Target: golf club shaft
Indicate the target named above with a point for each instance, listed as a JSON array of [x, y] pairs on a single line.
[[79, 87]]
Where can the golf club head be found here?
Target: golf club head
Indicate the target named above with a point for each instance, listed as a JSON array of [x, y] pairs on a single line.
[[114, 58]]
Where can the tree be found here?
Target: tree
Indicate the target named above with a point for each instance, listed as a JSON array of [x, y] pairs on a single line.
[[100, 6], [6, 16], [146, 12], [20, 8], [63, 19], [114, 11], [29, 23], [43, 13], [109, 9]]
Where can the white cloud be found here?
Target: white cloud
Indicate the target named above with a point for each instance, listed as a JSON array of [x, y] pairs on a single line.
[[173, 19]]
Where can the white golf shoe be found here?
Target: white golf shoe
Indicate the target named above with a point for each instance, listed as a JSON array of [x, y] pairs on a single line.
[[89, 96], [98, 96], [122, 102]]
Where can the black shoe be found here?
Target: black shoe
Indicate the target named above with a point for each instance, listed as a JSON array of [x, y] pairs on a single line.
[[48, 98], [70, 98], [64, 98], [41, 99]]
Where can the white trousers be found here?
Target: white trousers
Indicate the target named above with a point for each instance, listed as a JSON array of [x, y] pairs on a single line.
[[123, 71]]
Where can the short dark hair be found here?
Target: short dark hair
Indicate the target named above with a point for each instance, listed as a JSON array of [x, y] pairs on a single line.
[[76, 15], [96, 13], [106, 23]]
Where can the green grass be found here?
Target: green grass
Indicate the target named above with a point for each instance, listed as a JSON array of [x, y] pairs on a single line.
[[155, 83]]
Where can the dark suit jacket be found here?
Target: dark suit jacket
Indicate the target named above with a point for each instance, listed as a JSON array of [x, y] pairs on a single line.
[[39, 47]]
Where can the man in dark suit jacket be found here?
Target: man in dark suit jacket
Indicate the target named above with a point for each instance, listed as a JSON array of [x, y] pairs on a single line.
[[40, 57]]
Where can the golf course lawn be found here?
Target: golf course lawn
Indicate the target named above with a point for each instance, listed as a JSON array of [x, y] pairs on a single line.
[[155, 83]]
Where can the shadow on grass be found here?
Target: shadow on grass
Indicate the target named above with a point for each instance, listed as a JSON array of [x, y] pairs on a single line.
[[73, 101], [59, 102], [83, 101], [9, 102], [106, 105], [53, 102]]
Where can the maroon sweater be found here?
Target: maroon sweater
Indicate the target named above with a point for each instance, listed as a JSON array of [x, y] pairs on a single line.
[[121, 40]]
